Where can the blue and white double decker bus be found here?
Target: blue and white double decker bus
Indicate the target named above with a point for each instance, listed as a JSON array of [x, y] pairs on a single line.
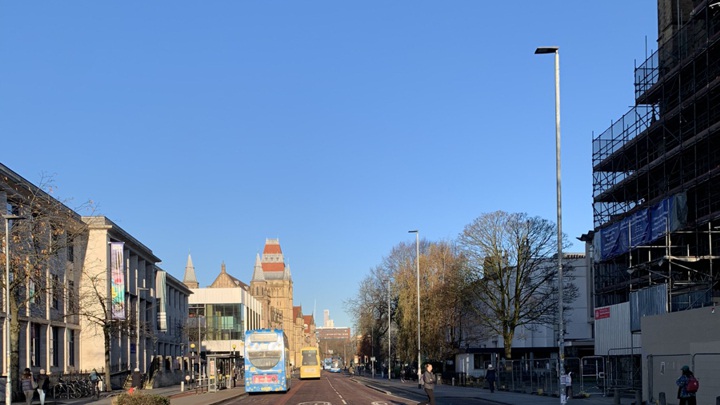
[[267, 361]]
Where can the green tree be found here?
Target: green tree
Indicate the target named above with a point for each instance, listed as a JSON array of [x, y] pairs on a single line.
[[446, 318]]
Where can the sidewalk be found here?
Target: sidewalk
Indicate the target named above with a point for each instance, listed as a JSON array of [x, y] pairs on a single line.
[[453, 394], [177, 397]]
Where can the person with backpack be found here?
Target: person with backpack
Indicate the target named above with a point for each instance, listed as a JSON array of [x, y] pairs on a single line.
[[95, 381], [687, 387], [428, 381]]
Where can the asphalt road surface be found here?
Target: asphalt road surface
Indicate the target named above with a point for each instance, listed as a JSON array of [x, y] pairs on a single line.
[[341, 389]]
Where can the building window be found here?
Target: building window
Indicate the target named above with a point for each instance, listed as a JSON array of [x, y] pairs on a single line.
[[71, 297], [71, 347], [225, 322], [33, 295], [35, 340], [54, 344], [70, 249], [55, 291]]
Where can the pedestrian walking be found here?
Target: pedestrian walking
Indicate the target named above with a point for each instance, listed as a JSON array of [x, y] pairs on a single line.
[[490, 377], [428, 381], [136, 379], [43, 383], [28, 384], [687, 387]]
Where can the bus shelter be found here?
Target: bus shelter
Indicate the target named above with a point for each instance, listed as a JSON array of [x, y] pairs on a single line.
[[223, 370]]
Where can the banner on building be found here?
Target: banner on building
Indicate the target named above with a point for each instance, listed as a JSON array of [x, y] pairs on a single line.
[[117, 280], [641, 228]]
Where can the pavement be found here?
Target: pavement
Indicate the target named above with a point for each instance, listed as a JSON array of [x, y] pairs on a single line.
[[455, 394], [394, 387]]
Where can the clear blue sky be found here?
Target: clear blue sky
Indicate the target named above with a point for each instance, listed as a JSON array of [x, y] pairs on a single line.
[[335, 126]]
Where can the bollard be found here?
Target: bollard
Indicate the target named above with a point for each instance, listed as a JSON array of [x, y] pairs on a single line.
[[616, 397], [661, 398], [638, 397], [453, 381], [182, 386]]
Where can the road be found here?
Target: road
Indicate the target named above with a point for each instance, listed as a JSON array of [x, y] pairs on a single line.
[[341, 389]]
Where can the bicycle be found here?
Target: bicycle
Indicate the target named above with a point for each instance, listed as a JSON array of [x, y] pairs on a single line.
[[96, 388], [60, 389]]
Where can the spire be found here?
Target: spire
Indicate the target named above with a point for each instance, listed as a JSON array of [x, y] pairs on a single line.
[[222, 267], [258, 274], [272, 258], [286, 274], [189, 279]]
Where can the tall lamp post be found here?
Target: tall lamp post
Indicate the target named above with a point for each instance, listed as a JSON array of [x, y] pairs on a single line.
[[137, 349], [233, 365], [417, 267], [192, 360], [199, 349], [389, 340], [8, 384], [561, 333]]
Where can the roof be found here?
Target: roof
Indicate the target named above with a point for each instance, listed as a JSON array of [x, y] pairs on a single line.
[[224, 280], [272, 246], [273, 266]]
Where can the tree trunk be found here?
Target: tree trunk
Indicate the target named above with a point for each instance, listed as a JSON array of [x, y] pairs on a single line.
[[508, 335], [107, 335], [14, 348]]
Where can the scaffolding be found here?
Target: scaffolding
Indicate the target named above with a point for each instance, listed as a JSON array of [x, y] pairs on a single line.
[[667, 144]]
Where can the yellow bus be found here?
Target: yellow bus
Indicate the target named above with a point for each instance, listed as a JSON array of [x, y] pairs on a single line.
[[310, 367]]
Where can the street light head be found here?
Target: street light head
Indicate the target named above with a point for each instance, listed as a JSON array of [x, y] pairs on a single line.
[[546, 49], [10, 217], [413, 231]]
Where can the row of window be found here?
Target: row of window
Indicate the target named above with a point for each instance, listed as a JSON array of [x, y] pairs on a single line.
[[37, 350], [218, 321]]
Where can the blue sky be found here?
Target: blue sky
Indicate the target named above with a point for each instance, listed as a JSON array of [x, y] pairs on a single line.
[[335, 126]]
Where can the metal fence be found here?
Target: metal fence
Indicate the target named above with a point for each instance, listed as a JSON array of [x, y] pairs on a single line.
[[540, 376], [608, 376], [590, 376]]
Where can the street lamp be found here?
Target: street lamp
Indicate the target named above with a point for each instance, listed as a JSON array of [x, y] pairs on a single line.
[[192, 360], [199, 342], [389, 340], [417, 266], [561, 337], [137, 349], [233, 364], [8, 384]]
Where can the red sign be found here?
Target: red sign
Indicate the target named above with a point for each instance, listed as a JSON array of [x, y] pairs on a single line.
[[601, 313], [265, 379]]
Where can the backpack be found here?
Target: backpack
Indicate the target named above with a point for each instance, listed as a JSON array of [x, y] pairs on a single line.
[[692, 384]]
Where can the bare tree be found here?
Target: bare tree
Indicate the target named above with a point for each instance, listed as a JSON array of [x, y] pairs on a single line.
[[43, 255], [369, 308], [514, 272], [93, 305]]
